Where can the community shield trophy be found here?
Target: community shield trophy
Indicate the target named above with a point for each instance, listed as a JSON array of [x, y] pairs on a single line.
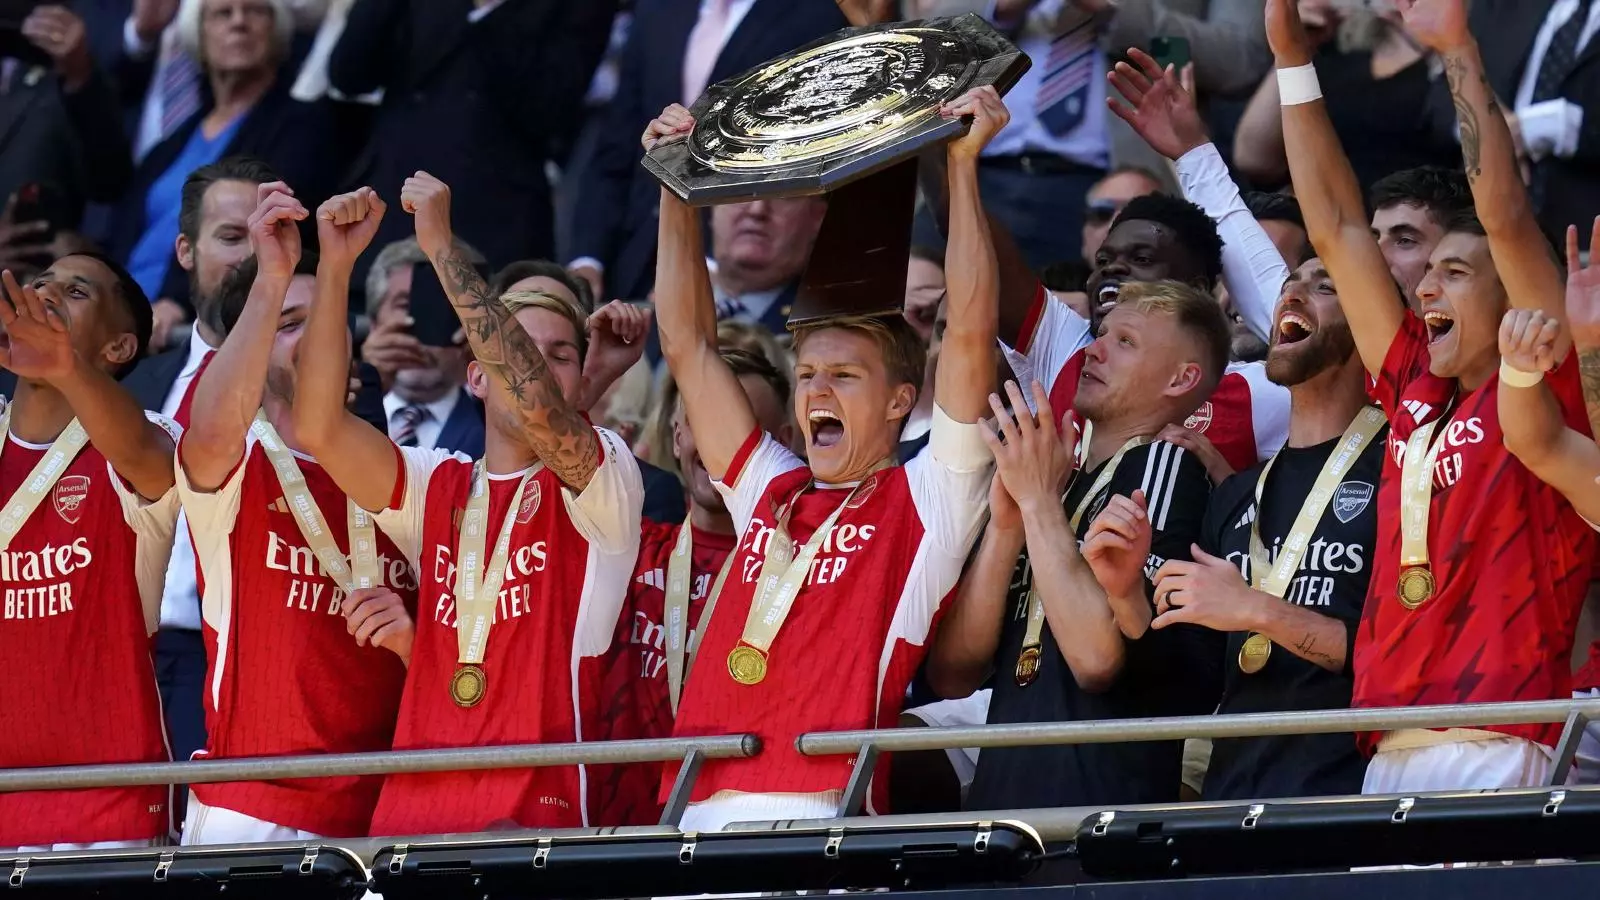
[[845, 116]]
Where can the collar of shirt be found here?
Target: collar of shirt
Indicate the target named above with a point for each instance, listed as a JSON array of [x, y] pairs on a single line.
[[755, 303], [198, 348], [440, 409], [737, 10]]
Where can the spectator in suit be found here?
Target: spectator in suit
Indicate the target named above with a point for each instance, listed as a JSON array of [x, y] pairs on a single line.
[[1543, 62], [479, 93], [426, 404], [245, 109], [675, 48], [1061, 139], [58, 118]]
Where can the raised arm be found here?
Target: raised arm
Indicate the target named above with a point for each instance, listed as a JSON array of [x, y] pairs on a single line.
[[1161, 108], [229, 392], [963, 649], [555, 429], [1521, 254], [1536, 432], [719, 411], [1330, 197], [965, 375], [40, 348], [359, 457], [1583, 318], [1033, 460]]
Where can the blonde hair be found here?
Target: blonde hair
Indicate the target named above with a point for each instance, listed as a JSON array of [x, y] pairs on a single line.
[[758, 340], [515, 301], [191, 16], [905, 356], [1198, 314]]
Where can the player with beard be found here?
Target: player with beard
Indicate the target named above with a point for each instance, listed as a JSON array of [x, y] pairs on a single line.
[[308, 641], [525, 553], [680, 569], [1285, 555], [1480, 567], [1064, 629], [843, 559], [88, 520]]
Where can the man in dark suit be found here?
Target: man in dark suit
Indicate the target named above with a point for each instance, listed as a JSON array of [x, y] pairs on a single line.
[[477, 93], [1543, 62], [666, 61]]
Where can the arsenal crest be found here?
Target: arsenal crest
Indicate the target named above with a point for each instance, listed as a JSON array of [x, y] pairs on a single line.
[[861, 493], [1350, 498], [69, 494], [530, 502], [1201, 420]]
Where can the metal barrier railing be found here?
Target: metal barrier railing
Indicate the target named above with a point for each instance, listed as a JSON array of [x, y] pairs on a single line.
[[1574, 714], [867, 745]]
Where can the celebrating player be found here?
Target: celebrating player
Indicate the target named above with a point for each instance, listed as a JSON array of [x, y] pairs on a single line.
[[525, 553], [841, 566], [305, 606], [1285, 555], [1067, 631], [85, 533], [680, 571], [1479, 567]]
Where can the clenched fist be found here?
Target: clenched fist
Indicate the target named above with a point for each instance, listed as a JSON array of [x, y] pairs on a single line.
[[346, 224], [427, 199]]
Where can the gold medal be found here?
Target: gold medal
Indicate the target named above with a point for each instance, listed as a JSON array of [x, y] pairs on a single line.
[[1027, 666], [1416, 586], [468, 686], [1254, 654], [747, 665]]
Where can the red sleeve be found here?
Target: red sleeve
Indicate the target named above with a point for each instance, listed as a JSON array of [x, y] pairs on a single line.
[[736, 466], [1567, 386], [1030, 324], [1406, 361]]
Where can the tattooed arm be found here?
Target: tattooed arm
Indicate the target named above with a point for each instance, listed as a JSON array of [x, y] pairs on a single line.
[[1521, 254], [555, 429]]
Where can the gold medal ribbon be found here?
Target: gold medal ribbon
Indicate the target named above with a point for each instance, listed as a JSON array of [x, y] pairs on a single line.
[[783, 572], [477, 588], [360, 568], [1033, 640], [680, 647], [44, 475], [1416, 504], [1274, 577]]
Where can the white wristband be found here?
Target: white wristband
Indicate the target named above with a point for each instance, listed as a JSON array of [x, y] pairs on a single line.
[[1517, 378], [1298, 85]]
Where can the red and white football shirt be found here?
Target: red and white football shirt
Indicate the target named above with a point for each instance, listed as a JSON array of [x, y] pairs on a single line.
[[638, 702], [1246, 417], [860, 624], [82, 588], [1510, 558], [285, 676], [566, 576]]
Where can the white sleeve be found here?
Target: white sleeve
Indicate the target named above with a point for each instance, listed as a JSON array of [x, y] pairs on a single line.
[[153, 522], [950, 483], [1269, 409], [150, 517], [767, 461], [608, 510], [1252, 267], [211, 516], [1058, 334], [403, 523]]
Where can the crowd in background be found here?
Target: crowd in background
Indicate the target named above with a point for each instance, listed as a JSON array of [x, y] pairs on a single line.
[[142, 129]]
